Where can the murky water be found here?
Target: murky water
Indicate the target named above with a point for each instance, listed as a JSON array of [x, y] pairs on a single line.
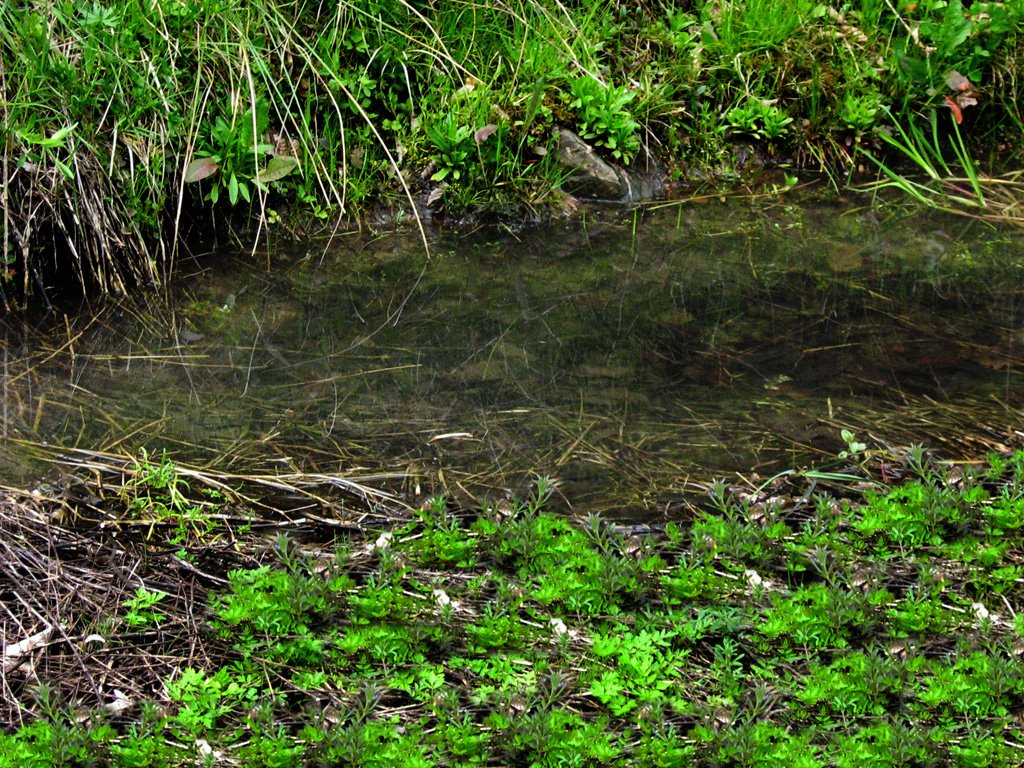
[[630, 356]]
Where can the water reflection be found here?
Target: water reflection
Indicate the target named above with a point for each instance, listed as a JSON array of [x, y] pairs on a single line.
[[629, 357]]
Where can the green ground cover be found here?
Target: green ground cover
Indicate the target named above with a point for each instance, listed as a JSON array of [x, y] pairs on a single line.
[[815, 620], [125, 124]]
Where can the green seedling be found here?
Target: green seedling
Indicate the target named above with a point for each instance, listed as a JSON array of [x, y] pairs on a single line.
[[142, 610], [853, 446]]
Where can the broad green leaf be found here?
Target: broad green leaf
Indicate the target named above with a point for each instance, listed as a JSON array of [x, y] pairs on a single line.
[[484, 133], [200, 168], [278, 167], [56, 140], [63, 133], [64, 169]]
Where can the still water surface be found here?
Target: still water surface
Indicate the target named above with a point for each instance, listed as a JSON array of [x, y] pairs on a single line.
[[632, 356]]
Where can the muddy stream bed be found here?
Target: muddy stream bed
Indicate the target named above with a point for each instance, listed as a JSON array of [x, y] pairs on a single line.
[[633, 356]]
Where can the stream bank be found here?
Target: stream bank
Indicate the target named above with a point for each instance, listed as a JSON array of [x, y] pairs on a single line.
[[251, 114]]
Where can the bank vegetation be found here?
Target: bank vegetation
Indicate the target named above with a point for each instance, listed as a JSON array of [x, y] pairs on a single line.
[[128, 125]]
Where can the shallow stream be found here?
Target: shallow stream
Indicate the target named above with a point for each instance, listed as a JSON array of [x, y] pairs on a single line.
[[633, 355]]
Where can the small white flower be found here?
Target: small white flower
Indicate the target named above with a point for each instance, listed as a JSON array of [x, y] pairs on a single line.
[[119, 704], [206, 752], [558, 627], [980, 611], [753, 578], [383, 541]]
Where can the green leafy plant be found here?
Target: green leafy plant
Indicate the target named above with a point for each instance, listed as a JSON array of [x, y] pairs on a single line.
[[203, 700], [142, 610], [275, 611], [644, 668], [442, 538], [453, 144], [876, 634], [854, 447], [159, 493], [158, 480], [603, 116], [816, 617], [759, 119], [233, 156], [860, 111]]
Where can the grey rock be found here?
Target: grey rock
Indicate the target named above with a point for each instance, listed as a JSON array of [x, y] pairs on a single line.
[[590, 177]]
